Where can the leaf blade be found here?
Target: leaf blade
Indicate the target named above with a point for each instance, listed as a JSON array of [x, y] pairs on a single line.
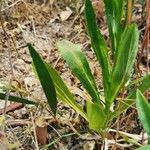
[[79, 66], [17, 99], [114, 12], [98, 43], [45, 78], [122, 69], [63, 92], [96, 117], [143, 109]]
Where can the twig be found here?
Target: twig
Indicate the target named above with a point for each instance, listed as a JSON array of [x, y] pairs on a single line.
[[56, 140], [133, 136], [129, 12], [148, 34], [55, 130], [9, 55], [17, 122], [12, 107], [12, 5], [33, 25], [34, 131]]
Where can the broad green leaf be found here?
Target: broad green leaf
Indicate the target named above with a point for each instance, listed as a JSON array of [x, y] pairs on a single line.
[[96, 117], [98, 43], [45, 78], [126, 55], [144, 85], [80, 67], [143, 109], [114, 12], [63, 92], [147, 147], [17, 99]]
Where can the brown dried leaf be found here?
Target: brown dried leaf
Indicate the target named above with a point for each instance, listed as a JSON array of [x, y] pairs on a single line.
[[66, 14], [12, 107], [41, 133], [41, 130], [17, 122], [99, 8]]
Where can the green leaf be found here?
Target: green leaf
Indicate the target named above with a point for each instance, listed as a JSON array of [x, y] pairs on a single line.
[[45, 78], [114, 12], [63, 92], [147, 147], [126, 55], [96, 117], [130, 100], [142, 2], [17, 99], [144, 86], [98, 43], [143, 109], [80, 67]]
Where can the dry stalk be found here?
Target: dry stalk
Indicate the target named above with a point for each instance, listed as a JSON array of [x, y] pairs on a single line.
[[129, 12], [9, 55], [148, 33], [34, 131], [12, 5]]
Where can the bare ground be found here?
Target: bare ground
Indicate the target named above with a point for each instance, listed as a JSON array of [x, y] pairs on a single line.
[[28, 127]]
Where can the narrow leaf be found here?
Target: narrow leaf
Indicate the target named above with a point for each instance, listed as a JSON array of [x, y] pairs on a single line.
[[130, 100], [17, 99], [114, 12], [63, 92], [126, 54], [80, 67], [143, 109], [98, 43], [96, 117], [45, 78]]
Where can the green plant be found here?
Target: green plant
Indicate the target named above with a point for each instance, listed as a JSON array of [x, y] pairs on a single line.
[[3, 96], [143, 108], [124, 45], [17, 99]]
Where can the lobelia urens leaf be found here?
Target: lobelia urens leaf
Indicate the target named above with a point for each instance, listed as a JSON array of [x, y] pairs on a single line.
[[114, 12], [96, 116], [44, 78], [143, 109], [123, 66], [80, 67], [98, 44], [17, 99], [63, 92]]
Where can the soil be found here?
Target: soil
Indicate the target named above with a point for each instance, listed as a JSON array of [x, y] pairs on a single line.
[[43, 24]]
